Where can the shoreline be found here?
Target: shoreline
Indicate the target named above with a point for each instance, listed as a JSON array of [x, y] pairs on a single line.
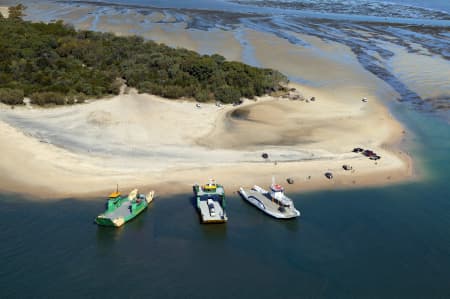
[[72, 173], [174, 188]]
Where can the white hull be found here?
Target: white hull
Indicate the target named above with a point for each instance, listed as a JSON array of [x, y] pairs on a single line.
[[150, 196], [259, 200]]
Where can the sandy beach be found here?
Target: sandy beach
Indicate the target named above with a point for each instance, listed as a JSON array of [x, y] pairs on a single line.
[[166, 145], [4, 11], [147, 141]]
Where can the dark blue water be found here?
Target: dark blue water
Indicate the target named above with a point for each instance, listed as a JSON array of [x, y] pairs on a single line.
[[391, 242]]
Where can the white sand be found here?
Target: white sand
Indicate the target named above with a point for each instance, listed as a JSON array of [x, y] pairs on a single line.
[[148, 141], [4, 11]]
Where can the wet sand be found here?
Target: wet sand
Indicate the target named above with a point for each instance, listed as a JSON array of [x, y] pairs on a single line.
[[432, 83]]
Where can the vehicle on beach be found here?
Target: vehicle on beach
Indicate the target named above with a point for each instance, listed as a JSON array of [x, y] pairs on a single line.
[[274, 202], [329, 175], [120, 210], [347, 167], [210, 201], [369, 153]]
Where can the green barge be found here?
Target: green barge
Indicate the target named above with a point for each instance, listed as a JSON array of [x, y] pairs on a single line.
[[210, 199], [120, 210]]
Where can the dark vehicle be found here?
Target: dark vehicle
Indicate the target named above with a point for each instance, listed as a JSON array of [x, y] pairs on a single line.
[[347, 167], [328, 175], [369, 153]]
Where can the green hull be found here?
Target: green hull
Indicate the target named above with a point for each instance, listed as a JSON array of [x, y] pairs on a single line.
[[104, 220], [121, 210]]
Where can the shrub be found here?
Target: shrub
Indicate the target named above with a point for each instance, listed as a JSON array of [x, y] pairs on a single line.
[[203, 96], [70, 100], [11, 96], [173, 92], [47, 98], [149, 87], [81, 98], [227, 94]]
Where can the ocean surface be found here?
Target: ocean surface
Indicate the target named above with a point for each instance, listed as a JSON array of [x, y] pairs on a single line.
[[390, 242]]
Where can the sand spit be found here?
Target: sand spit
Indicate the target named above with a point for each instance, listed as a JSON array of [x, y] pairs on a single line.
[[144, 140]]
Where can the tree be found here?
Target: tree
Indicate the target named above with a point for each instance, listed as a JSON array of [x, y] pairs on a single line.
[[204, 95], [52, 63], [16, 12], [227, 94]]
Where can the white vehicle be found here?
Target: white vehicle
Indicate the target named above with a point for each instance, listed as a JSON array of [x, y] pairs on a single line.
[[212, 210]]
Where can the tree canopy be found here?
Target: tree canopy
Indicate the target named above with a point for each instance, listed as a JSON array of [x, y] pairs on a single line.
[[47, 62], [16, 12]]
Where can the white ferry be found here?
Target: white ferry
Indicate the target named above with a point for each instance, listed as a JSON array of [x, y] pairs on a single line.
[[274, 202]]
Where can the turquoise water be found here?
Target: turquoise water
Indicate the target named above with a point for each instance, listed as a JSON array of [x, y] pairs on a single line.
[[391, 242]]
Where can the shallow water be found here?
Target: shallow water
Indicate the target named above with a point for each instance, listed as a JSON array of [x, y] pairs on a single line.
[[437, 5]]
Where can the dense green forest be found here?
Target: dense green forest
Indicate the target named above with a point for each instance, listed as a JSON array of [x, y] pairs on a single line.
[[56, 64]]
